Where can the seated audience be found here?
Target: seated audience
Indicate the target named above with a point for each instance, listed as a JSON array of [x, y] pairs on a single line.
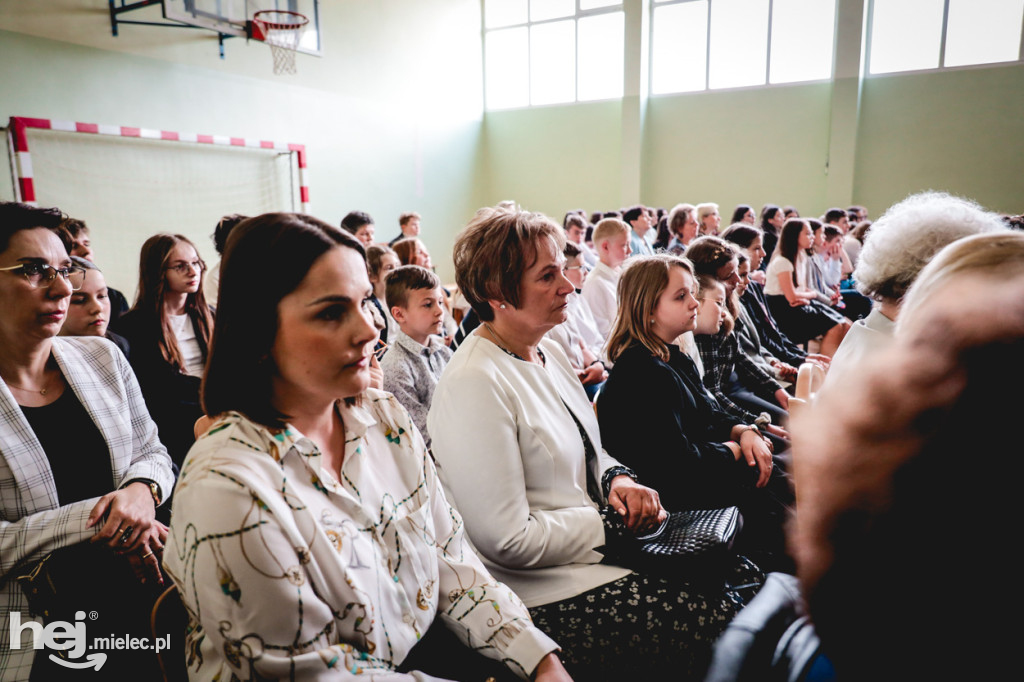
[[412, 251], [749, 240], [575, 226], [417, 354], [310, 537], [380, 262], [881, 460], [902, 242], [701, 456], [741, 388], [81, 246], [81, 468], [743, 214], [220, 240], [708, 219], [772, 220], [409, 227], [824, 267], [89, 311], [790, 298], [523, 489], [854, 241], [683, 226], [360, 225], [169, 330], [639, 221], [578, 335], [611, 241]]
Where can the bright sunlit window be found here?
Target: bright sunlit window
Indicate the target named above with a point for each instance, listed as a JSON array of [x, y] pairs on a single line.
[[907, 35], [552, 51], [700, 44]]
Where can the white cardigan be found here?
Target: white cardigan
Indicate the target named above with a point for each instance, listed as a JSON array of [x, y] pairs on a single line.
[[511, 456]]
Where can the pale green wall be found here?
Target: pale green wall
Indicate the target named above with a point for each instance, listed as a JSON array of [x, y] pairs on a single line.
[[740, 146], [390, 115], [551, 159], [959, 131]]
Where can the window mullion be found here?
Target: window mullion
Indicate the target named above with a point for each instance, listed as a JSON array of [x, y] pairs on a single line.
[[942, 42], [707, 49], [768, 57]]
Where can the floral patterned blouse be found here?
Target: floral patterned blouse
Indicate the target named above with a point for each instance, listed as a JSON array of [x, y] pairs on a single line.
[[287, 573]]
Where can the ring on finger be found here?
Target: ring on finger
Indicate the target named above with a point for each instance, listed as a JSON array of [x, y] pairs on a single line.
[[147, 555], [126, 534]]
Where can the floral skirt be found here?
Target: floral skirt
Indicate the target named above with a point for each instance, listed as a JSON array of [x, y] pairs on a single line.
[[647, 627]]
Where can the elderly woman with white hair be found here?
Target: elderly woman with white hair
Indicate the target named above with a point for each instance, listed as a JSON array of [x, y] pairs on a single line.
[[902, 242]]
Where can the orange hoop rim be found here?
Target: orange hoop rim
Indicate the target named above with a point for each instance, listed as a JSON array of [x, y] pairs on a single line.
[[300, 20]]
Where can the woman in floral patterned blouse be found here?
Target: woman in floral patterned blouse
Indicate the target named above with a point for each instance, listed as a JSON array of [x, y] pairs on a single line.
[[310, 537]]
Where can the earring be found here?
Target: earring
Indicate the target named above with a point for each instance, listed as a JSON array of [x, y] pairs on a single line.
[[502, 306], [652, 320]]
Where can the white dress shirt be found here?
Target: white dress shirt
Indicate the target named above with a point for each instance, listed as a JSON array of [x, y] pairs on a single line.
[[599, 291]]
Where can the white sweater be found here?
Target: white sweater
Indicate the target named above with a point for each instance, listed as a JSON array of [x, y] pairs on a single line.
[[600, 293], [512, 459]]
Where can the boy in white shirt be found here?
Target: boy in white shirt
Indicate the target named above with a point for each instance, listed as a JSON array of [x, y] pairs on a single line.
[[611, 241], [417, 355]]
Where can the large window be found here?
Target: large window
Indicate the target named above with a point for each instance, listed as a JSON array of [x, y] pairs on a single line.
[[552, 51], [908, 35], [701, 44]]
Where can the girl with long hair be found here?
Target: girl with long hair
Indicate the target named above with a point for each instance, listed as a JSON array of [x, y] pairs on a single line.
[[169, 330]]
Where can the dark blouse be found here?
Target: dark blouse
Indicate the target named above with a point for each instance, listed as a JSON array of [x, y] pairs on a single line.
[[78, 455]]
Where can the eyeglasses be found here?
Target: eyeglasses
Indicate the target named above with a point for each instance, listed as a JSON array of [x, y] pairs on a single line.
[[41, 275], [184, 268]]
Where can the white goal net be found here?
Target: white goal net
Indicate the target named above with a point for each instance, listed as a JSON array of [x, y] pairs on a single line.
[[127, 189]]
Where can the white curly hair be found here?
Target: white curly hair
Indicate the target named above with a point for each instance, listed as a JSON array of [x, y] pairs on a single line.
[[909, 234]]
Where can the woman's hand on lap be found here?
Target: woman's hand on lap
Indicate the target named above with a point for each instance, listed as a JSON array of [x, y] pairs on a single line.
[[757, 453], [639, 505], [129, 509]]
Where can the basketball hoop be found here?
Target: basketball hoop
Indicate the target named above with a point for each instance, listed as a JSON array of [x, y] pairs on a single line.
[[282, 31]]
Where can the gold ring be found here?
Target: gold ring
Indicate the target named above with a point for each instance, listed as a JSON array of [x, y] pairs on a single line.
[[147, 555]]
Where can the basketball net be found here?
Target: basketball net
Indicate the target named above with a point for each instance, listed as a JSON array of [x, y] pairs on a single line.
[[282, 31]]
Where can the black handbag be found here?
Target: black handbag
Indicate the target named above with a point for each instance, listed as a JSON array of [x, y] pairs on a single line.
[[697, 541], [690, 540]]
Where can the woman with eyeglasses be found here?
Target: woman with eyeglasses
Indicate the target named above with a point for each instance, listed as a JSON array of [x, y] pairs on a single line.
[[81, 467], [169, 330]]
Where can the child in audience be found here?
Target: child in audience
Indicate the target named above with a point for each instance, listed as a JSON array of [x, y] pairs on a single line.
[[380, 261], [220, 240], [412, 251], [611, 240], [789, 297], [578, 335], [417, 355], [360, 225], [89, 312], [169, 330], [754, 391], [82, 247]]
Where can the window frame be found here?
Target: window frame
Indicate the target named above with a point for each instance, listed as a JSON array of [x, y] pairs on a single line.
[[707, 57], [575, 17], [869, 38]]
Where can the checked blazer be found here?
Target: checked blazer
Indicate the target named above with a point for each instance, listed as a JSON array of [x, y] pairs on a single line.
[[32, 520]]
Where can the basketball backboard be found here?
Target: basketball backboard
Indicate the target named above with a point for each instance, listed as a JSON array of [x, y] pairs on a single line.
[[232, 17]]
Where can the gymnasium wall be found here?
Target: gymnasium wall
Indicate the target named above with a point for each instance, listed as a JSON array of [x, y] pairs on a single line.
[[390, 114]]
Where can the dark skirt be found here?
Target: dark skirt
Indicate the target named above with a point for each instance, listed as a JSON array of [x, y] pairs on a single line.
[[645, 627], [804, 322]]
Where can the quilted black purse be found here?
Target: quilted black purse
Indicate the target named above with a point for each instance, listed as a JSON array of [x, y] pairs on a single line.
[[687, 540]]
